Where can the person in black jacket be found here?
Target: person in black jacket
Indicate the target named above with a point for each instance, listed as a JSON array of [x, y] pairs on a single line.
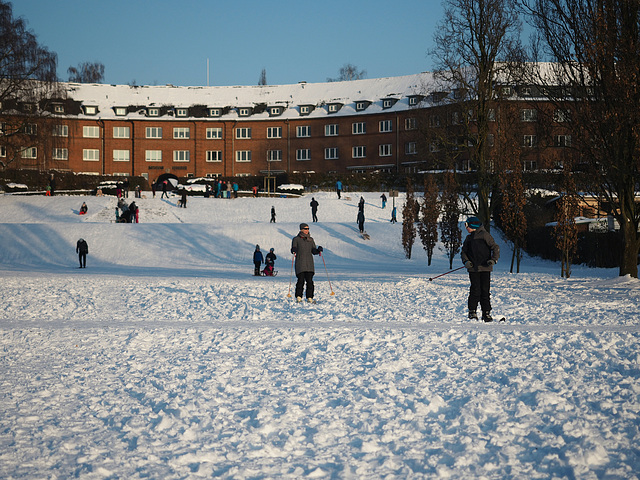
[[258, 259], [314, 209], [82, 249], [479, 254], [304, 247]]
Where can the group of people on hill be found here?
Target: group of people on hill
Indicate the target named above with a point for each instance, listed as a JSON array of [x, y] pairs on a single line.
[[127, 213]]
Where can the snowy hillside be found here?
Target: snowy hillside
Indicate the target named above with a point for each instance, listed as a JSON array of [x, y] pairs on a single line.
[[165, 358]]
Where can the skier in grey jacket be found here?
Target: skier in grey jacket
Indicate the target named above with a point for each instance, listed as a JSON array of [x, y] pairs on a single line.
[[304, 247]]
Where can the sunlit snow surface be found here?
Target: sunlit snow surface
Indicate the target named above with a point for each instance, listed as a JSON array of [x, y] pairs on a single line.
[[165, 358]]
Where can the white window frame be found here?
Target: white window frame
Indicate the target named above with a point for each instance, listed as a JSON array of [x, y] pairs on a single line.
[[182, 112], [386, 126], [120, 111], [359, 128], [60, 130], [411, 148], [121, 155], [213, 156], [30, 153], [303, 131], [153, 112], [331, 153], [305, 110], [214, 112], [303, 154], [274, 155], [410, 123], [153, 155], [60, 154], [244, 112], [153, 132], [90, 131], [243, 133], [385, 150], [274, 132], [182, 156], [181, 133], [243, 156], [214, 133], [361, 106], [331, 130], [121, 132], [359, 151], [90, 155]]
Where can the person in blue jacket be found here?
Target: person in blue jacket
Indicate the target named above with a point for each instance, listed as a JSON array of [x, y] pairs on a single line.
[[258, 259]]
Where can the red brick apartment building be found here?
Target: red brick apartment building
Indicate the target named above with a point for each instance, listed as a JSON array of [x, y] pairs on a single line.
[[355, 126]]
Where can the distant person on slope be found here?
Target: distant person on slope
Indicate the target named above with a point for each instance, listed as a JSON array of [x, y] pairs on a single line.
[[83, 209], [304, 247], [480, 253], [339, 188], [273, 215], [314, 209], [361, 221], [82, 249]]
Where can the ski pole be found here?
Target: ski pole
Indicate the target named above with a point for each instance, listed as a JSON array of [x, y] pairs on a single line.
[[446, 273], [327, 272], [291, 276]]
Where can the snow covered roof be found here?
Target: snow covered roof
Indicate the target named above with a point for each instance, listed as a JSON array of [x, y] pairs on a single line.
[[125, 101]]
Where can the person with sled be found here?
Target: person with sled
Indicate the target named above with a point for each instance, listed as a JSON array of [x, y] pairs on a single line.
[[314, 209], [83, 209], [269, 261], [480, 253], [304, 247], [258, 259], [82, 249]]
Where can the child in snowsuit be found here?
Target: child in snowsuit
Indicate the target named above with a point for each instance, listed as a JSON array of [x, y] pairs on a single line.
[[257, 260], [269, 263], [479, 254], [82, 249]]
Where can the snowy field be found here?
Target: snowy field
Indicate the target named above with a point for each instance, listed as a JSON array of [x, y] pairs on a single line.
[[166, 359]]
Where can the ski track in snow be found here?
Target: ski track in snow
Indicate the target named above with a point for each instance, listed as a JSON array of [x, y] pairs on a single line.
[[218, 374]]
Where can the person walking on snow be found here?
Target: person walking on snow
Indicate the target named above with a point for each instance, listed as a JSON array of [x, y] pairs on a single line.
[[304, 247], [273, 215], [361, 221], [393, 215], [82, 249], [384, 200], [314, 209], [339, 188], [258, 259], [480, 253]]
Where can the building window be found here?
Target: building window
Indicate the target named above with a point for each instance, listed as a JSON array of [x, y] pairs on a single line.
[[90, 110], [304, 131], [181, 132], [182, 112], [153, 132], [305, 110], [153, 112], [60, 154], [331, 153], [121, 155], [244, 112], [361, 106], [410, 124], [91, 155], [359, 128], [303, 154], [563, 140], [215, 112], [181, 155], [214, 133], [274, 155], [214, 155], [385, 150], [491, 115], [120, 132], [3, 151], [530, 141], [528, 115], [120, 111], [153, 155], [386, 126], [243, 155], [29, 152], [411, 148], [331, 130], [243, 133], [275, 111], [60, 131], [58, 109], [333, 107], [387, 103], [274, 132], [413, 101], [91, 132], [359, 152]]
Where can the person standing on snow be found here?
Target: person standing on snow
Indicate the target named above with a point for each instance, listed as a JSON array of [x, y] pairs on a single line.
[[314, 209], [82, 249], [258, 259], [339, 188], [304, 247], [384, 200], [269, 262], [393, 215], [273, 215], [480, 253], [361, 221]]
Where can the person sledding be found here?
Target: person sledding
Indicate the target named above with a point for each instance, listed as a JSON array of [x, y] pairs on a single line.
[[83, 209], [269, 261]]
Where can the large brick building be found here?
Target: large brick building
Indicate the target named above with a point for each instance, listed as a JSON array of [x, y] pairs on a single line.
[[372, 124]]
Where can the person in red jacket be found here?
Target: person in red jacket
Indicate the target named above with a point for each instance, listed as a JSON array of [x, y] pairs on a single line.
[[479, 254]]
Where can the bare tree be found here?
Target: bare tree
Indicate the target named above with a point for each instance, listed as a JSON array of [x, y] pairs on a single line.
[[566, 231], [471, 43], [594, 85], [87, 72], [429, 213], [348, 72], [28, 81]]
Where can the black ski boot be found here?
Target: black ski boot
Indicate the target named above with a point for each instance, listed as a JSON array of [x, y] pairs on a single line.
[[486, 317], [473, 315]]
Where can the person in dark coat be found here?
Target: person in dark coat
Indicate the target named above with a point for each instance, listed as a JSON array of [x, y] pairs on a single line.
[[304, 247], [361, 221], [480, 253], [269, 262], [314, 209], [273, 215], [258, 259], [82, 249], [83, 209], [164, 190], [133, 208]]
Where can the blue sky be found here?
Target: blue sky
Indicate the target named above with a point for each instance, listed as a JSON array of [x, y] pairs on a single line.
[[155, 42]]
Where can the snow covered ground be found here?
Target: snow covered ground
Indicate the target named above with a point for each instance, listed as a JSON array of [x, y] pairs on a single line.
[[166, 359]]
